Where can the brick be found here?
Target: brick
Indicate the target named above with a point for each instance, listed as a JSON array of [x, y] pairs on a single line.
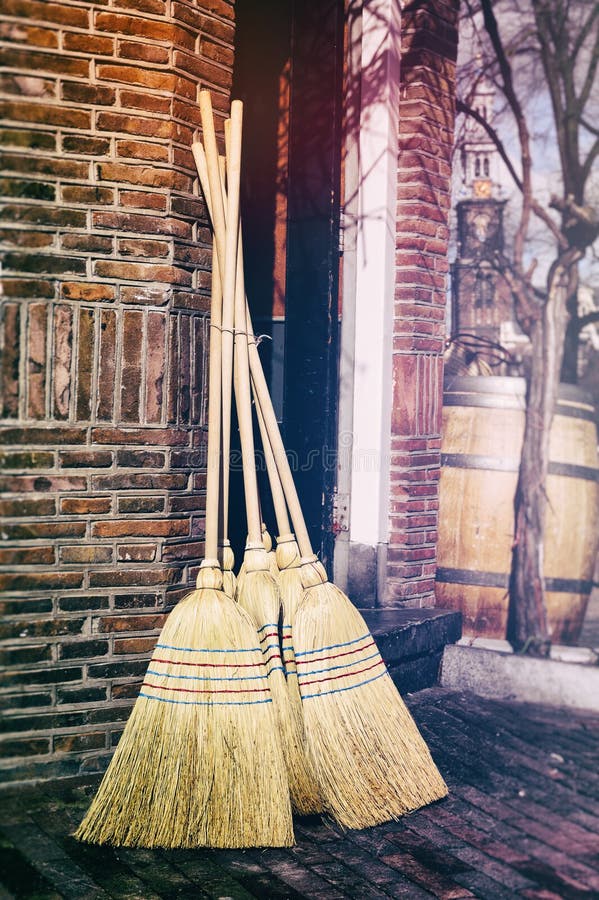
[[36, 581], [32, 140], [143, 200], [27, 556], [87, 195], [140, 504], [47, 265], [32, 190], [82, 506], [149, 176], [83, 603], [137, 222], [31, 35], [131, 360], [39, 61], [143, 248], [155, 367], [148, 78], [77, 742], [164, 437], [87, 243], [27, 700], [24, 606], [149, 102], [32, 530], [92, 44], [121, 24], [145, 295], [59, 13], [27, 288], [137, 528], [216, 52], [136, 552], [82, 144], [40, 628], [202, 69], [36, 361], [24, 747], [26, 655], [137, 601], [41, 215], [127, 669], [138, 125], [15, 483], [124, 692], [9, 363], [141, 458], [134, 645], [143, 52], [26, 459], [193, 550], [107, 365], [142, 150], [145, 622], [88, 291], [41, 676], [142, 577], [130, 481], [22, 508], [26, 238], [80, 695], [45, 165], [77, 459], [83, 649], [87, 554], [86, 342]]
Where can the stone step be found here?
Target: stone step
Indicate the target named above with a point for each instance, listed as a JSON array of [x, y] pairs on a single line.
[[411, 642]]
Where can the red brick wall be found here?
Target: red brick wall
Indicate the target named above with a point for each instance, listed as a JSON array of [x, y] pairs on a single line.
[[429, 40], [105, 294]]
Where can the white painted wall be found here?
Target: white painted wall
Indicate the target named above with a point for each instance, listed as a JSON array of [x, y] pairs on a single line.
[[368, 279]]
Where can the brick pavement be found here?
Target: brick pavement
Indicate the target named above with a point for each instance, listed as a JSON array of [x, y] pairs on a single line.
[[522, 820]]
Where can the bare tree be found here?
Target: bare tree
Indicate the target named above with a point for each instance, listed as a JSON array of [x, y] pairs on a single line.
[[558, 41]]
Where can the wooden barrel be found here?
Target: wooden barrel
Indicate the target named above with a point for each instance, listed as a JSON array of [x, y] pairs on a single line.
[[483, 426]]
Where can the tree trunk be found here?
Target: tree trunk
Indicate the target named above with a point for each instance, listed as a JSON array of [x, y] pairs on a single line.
[[527, 626], [572, 337]]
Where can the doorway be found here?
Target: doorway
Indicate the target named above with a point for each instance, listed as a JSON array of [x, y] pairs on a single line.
[[289, 73]]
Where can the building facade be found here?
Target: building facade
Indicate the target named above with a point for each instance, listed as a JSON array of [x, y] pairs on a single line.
[[106, 273]]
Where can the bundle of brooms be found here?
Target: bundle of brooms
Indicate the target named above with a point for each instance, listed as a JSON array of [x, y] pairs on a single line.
[[277, 698]]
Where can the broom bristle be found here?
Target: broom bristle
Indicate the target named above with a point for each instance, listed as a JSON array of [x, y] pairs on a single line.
[[258, 593], [199, 763], [371, 762]]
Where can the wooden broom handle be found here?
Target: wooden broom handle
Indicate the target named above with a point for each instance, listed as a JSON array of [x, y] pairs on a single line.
[[211, 173], [214, 418], [259, 381], [276, 488]]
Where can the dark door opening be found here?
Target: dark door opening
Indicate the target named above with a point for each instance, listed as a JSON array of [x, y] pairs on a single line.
[[289, 73]]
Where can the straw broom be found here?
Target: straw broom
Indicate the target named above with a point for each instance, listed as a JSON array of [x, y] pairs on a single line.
[[371, 762], [306, 798], [199, 763], [257, 591]]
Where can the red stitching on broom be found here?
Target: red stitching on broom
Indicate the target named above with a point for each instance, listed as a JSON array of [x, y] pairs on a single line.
[[308, 662], [178, 662], [159, 687], [335, 677]]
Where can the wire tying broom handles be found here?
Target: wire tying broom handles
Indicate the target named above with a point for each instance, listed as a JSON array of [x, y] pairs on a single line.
[[212, 191]]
